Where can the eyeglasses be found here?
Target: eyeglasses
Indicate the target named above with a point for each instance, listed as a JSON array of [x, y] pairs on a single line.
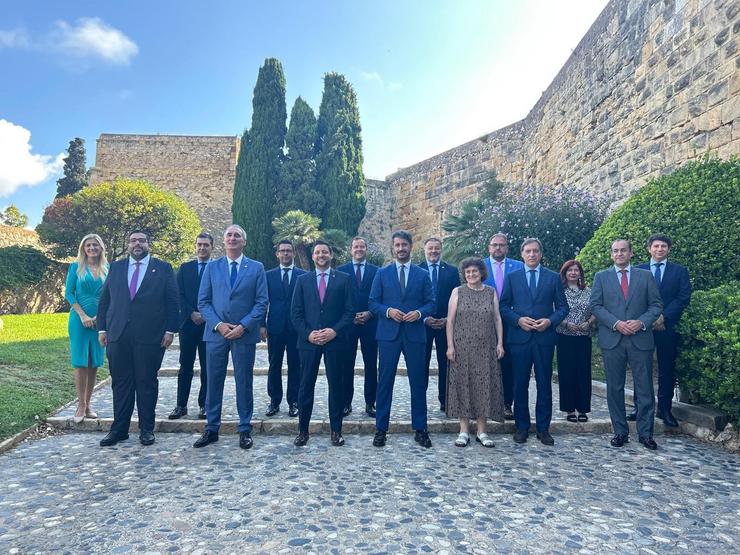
[[142, 241], [496, 245]]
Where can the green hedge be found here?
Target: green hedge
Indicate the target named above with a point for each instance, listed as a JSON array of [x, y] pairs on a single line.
[[22, 266], [709, 359], [697, 206]]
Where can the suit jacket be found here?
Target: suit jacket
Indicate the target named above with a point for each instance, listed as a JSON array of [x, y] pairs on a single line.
[[510, 265], [675, 291], [609, 306], [152, 312], [278, 313], [548, 302], [245, 303], [447, 279], [386, 293], [188, 285], [308, 313], [360, 295]]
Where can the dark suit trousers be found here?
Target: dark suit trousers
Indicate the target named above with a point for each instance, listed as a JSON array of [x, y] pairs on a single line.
[[574, 373], [133, 371], [507, 376], [523, 356], [310, 361], [369, 348], [277, 345], [666, 347], [242, 355], [615, 367], [191, 342], [390, 353], [438, 337]]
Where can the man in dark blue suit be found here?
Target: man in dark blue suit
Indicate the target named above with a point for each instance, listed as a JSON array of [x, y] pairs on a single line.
[[322, 314], [444, 279], [400, 298], [499, 268], [279, 332], [191, 328], [533, 303], [675, 291], [363, 328]]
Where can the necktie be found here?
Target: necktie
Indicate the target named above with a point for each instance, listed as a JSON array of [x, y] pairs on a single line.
[[233, 273], [658, 273], [434, 279], [134, 281], [358, 275], [533, 283], [201, 267], [623, 283], [286, 279], [322, 286], [499, 279], [402, 279]]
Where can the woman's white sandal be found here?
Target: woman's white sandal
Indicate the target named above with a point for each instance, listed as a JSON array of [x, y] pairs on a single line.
[[484, 440], [462, 440]]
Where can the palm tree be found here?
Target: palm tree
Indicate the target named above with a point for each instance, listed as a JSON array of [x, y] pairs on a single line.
[[339, 242], [460, 233], [299, 228]]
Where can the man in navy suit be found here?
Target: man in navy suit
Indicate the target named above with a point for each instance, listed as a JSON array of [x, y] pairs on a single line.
[[499, 267], [400, 298], [322, 314], [191, 328], [675, 291], [533, 303], [363, 328], [279, 331], [137, 319], [233, 300], [444, 279]]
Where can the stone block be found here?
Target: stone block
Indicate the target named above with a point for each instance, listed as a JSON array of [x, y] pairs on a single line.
[[718, 92], [720, 136], [730, 110]]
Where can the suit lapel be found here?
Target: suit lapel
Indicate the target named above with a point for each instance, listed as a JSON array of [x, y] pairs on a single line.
[[240, 273], [617, 286], [632, 285]]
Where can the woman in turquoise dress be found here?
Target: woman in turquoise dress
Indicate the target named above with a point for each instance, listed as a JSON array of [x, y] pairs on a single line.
[[84, 283]]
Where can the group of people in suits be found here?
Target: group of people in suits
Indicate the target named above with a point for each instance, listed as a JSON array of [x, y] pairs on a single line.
[[224, 307]]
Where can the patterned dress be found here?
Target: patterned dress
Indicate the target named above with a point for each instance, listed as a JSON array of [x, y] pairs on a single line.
[[474, 387]]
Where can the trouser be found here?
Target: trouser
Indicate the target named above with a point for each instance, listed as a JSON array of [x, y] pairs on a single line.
[[310, 361], [574, 373], [277, 345], [369, 347], [390, 352], [218, 357], [439, 338], [523, 357], [191, 343]]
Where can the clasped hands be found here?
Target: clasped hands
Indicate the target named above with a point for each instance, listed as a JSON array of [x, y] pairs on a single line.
[[361, 318], [87, 322], [398, 316], [321, 337], [230, 331], [628, 327], [435, 323], [659, 324], [530, 324]]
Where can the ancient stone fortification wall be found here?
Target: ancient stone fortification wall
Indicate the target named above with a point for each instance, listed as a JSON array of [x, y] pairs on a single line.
[[654, 83], [200, 170], [378, 220]]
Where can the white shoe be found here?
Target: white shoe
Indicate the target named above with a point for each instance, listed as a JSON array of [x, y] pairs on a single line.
[[90, 414], [78, 419], [463, 439], [484, 440]]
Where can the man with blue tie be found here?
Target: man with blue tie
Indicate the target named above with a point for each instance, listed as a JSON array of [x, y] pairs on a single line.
[[233, 301], [363, 328], [279, 332], [499, 268], [532, 305], [191, 328], [675, 291], [400, 298], [444, 279]]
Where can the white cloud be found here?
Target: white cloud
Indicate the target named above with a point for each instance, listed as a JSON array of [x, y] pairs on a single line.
[[14, 38], [18, 166], [90, 37], [375, 77]]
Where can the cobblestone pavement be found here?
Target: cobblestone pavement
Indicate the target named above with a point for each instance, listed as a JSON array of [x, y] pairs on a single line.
[[66, 495]]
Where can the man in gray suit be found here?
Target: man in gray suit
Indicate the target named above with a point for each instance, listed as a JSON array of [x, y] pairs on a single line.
[[626, 302]]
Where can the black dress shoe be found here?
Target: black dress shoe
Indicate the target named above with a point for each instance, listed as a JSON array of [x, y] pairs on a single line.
[[520, 436], [370, 410], [632, 417], [649, 443], [379, 439], [207, 438], [202, 413], [346, 411], [272, 410], [112, 438], [245, 440], [178, 412], [336, 439], [301, 439], [293, 410], [618, 440], [670, 420], [508, 415], [422, 438], [442, 407], [146, 438], [545, 438]]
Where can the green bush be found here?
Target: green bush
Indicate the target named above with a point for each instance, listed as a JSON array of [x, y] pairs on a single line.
[[708, 365], [697, 206], [21, 266]]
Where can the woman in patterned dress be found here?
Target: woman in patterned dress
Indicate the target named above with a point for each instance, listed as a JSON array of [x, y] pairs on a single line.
[[574, 345], [474, 348]]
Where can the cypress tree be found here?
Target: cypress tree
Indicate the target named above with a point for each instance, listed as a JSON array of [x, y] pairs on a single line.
[[75, 174], [339, 176], [260, 157]]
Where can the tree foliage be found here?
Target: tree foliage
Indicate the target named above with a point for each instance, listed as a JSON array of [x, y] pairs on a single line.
[[75, 172], [299, 228], [13, 217], [113, 210]]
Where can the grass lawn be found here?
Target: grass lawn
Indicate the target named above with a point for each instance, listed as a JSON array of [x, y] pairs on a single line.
[[35, 373]]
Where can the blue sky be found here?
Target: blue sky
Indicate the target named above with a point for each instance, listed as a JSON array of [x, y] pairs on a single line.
[[429, 75]]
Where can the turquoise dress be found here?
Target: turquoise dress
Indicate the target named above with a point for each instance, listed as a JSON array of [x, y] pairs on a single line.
[[83, 342]]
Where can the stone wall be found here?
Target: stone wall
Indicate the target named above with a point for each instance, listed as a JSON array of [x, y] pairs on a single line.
[[653, 83], [378, 221]]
